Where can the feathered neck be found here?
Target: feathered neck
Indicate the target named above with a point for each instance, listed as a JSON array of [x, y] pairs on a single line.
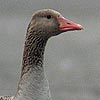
[[33, 84], [33, 52]]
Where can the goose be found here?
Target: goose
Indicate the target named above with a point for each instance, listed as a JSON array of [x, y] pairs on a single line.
[[33, 84]]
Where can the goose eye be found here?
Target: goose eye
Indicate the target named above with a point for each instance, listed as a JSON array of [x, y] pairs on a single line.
[[48, 16]]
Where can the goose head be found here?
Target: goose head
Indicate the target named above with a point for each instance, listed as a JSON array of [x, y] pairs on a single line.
[[47, 23]]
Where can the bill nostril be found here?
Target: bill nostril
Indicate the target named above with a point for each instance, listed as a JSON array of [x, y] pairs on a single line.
[[68, 23]]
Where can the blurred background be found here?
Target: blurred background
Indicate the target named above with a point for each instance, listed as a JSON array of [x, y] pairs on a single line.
[[72, 59]]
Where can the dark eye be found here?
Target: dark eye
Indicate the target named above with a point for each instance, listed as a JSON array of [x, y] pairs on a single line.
[[48, 16]]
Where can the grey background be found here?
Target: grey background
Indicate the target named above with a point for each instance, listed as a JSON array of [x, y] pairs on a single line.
[[72, 59]]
